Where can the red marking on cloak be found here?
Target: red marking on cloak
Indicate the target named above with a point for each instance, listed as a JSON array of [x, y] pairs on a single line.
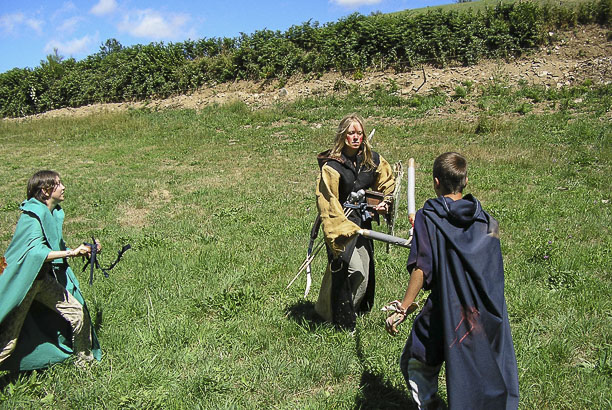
[[471, 316]]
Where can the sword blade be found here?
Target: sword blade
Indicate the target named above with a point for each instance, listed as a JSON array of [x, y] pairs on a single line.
[[379, 236]]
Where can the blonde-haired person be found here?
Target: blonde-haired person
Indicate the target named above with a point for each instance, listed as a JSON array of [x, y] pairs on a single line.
[[43, 317], [347, 289]]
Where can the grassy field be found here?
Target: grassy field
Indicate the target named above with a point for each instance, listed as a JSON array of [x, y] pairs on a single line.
[[482, 4], [218, 205]]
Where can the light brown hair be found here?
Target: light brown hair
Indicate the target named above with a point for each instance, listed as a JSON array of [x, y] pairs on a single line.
[[451, 170]]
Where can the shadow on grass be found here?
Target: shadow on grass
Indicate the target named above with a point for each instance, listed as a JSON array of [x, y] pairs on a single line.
[[303, 312], [378, 394], [375, 392], [11, 376], [97, 322]]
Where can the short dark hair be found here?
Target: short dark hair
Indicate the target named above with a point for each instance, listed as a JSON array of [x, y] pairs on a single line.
[[41, 181], [451, 170]]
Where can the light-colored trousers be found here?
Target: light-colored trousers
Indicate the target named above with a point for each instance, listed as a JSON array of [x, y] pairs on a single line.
[[422, 380], [51, 294]]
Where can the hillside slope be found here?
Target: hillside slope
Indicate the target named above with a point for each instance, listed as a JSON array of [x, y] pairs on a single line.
[[584, 53]]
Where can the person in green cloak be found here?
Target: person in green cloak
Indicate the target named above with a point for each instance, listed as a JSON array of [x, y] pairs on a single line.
[[43, 316]]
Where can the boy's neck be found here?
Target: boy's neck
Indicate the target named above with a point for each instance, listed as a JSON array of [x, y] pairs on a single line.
[[51, 204], [454, 196]]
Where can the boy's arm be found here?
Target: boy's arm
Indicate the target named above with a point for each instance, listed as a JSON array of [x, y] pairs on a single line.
[[414, 287], [81, 250], [407, 305]]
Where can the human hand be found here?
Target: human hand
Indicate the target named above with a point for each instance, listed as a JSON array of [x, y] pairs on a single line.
[[382, 208], [397, 316], [98, 246], [80, 250], [393, 322]]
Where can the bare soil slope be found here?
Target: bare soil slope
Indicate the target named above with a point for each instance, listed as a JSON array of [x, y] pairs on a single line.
[[573, 57]]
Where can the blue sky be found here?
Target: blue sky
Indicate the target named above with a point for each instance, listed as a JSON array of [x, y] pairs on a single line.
[[30, 30]]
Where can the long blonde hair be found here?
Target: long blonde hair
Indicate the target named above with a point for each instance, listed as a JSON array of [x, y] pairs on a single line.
[[339, 142]]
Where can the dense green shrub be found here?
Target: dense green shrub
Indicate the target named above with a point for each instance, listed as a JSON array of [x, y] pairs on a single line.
[[17, 96], [354, 43]]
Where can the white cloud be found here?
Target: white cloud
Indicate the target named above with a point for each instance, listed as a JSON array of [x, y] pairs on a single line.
[[70, 25], [72, 47], [35, 25], [354, 3], [11, 23], [66, 8], [103, 7], [153, 25]]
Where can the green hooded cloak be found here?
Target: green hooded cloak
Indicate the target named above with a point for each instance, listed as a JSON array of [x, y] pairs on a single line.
[[45, 338]]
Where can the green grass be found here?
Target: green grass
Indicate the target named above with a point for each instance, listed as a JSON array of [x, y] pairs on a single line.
[[482, 4], [218, 205]]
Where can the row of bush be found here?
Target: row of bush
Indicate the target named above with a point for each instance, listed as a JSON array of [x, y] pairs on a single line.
[[357, 42]]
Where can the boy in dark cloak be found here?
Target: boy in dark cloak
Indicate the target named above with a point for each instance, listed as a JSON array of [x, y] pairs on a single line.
[[456, 254], [43, 317]]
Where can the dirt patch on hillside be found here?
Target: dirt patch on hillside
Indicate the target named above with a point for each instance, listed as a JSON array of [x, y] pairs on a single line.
[[573, 57]]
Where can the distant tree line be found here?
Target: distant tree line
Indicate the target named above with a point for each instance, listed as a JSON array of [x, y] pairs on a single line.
[[355, 43]]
